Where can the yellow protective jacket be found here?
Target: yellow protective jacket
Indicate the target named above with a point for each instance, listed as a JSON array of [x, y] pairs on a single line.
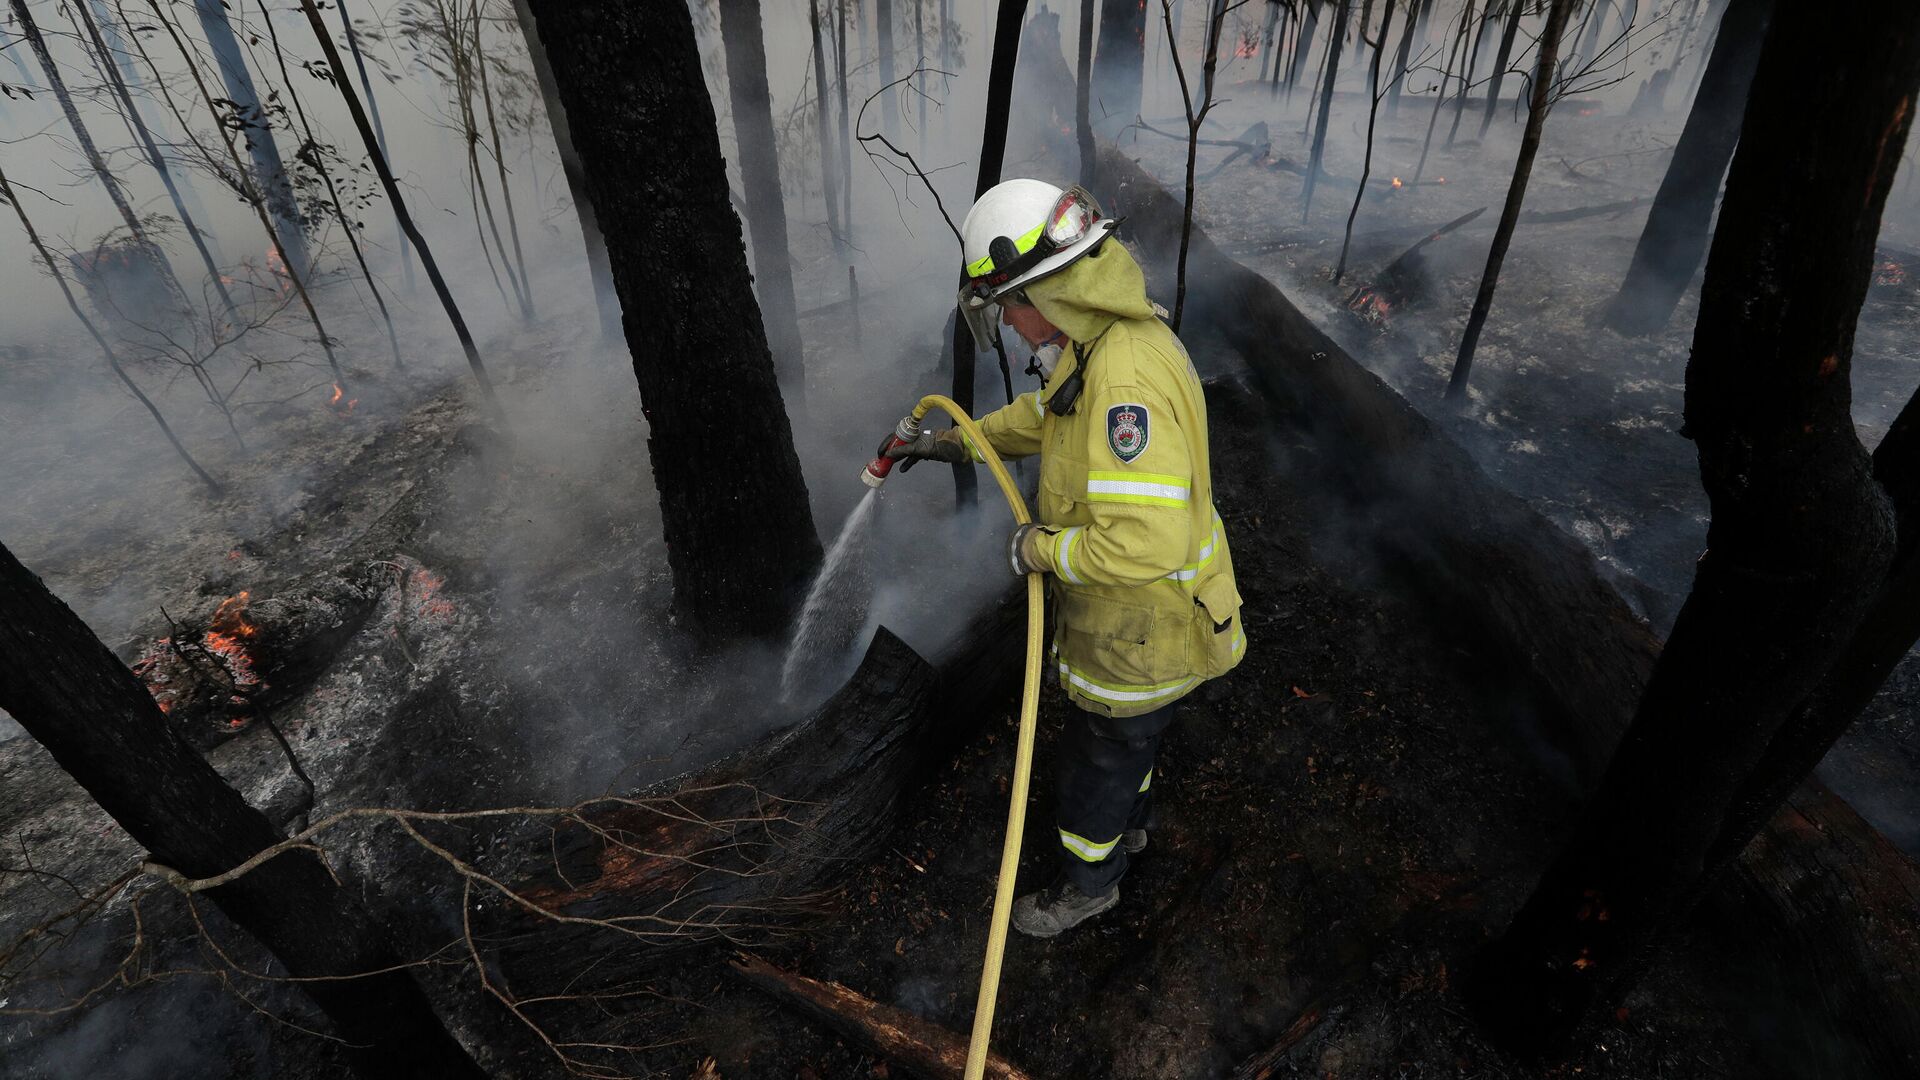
[[1144, 598]]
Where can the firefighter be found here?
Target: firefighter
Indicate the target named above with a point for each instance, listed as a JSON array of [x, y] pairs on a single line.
[[1145, 607]]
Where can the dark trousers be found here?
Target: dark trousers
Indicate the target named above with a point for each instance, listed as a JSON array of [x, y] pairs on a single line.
[[1104, 786]]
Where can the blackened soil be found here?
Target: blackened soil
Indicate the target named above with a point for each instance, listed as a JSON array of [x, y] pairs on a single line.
[[1344, 819]]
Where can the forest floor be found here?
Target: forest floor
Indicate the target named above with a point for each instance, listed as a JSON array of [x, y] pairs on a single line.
[[1345, 818]]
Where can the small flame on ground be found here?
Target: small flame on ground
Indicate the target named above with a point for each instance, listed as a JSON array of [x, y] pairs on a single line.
[[1397, 183], [225, 640], [1889, 272]]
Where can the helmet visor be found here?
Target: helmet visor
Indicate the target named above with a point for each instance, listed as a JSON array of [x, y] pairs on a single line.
[[983, 319]]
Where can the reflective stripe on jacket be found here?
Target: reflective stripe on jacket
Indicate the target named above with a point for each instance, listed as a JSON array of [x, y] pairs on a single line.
[[1144, 597]]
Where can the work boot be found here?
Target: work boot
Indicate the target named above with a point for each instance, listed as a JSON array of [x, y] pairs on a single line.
[[1061, 906], [1133, 841]]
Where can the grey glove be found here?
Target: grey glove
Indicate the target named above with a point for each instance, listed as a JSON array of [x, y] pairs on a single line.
[[944, 446], [1027, 550]]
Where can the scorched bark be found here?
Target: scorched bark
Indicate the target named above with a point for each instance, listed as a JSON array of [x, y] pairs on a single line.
[[739, 531]]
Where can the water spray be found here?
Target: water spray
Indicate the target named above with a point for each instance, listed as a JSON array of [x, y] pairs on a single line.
[[877, 470]]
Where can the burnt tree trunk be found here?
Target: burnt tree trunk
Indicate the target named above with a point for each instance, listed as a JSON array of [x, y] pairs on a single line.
[[1500, 60], [1303, 45], [823, 131], [274, 180], [70, 693], [606, 299], [993, 152], [1083, 93], [760, 173], [1802, 535], [883, 41], [1415, 20], [1675, 238], [1537, 106], [1373, 114], [1326, 106], [741, 546], [380, 130], [1117, 66]]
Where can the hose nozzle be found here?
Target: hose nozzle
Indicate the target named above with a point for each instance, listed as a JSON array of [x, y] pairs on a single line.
[[878, 469]]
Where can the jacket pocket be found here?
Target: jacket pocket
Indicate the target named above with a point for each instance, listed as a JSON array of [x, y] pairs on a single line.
[[1215, 638], [1109, 641]]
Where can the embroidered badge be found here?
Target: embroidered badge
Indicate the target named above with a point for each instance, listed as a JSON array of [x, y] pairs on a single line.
[[1127, 431]]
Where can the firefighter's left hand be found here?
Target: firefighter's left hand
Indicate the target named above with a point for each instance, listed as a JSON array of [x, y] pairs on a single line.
[[1026, 550]]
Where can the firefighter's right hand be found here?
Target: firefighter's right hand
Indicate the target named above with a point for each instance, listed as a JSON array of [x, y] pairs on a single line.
[[944, 446]]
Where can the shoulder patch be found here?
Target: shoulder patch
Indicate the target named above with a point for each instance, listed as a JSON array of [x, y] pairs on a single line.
[[1128, 431]]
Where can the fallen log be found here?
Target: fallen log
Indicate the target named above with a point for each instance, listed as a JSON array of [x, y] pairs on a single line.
[[1536, 602], [1266, 1064], [920, 1046], [754, 847]]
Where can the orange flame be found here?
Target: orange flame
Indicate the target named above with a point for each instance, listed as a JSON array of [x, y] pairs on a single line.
[[1397, 183]]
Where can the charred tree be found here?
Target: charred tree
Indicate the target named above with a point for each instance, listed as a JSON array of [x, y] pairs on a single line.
[[1416, 15], [822, 130], [1675, 238], [742, 546], [275, 184], [310, 149], [1440, 95], [1373, 114], [1326, 106], [846, 127], [1802, 535], [1303, 45], [1469, 72], [993, 152], [384, 170], [1516, 8], [379, 129], [1118, 64], [883, 41], [606, 299], [76, 699], [1537, 106], [760, 172], [1083, 93]]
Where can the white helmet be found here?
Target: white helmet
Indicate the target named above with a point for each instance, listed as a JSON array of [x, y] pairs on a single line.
[[1017, 233]]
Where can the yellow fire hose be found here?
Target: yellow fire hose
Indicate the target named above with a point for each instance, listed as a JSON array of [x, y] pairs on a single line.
[[1023, 749]]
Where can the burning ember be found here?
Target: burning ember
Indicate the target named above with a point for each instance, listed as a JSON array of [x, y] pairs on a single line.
[[219, 655], [1371, 306], [1397, 183], [423, 586], [334, 401], [1889, 272]]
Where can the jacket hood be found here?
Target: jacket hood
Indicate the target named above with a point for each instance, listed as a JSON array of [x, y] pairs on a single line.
[[1093, 293]]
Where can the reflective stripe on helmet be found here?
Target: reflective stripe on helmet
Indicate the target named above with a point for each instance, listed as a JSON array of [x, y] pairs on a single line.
[[983, 266]]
